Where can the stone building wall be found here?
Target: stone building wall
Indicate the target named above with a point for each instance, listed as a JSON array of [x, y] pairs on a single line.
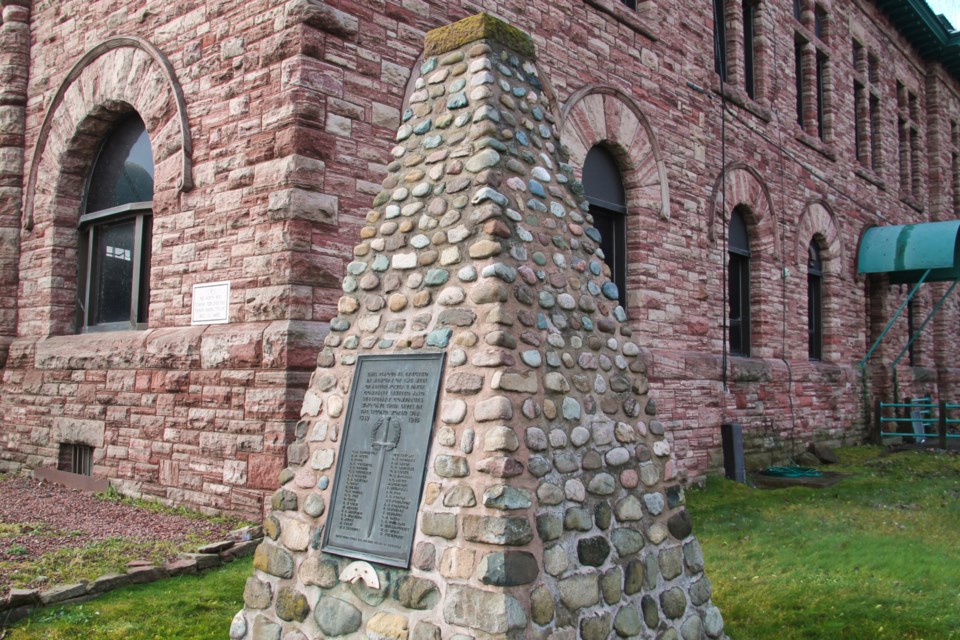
[[291, 107]]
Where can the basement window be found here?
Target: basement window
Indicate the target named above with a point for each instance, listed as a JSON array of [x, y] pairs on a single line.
[[75, 458]]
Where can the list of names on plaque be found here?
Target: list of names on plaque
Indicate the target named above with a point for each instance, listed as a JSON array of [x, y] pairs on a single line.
[[383, 457]]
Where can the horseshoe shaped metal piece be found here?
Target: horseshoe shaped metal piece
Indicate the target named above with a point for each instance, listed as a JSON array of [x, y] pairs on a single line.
[[361, 571]]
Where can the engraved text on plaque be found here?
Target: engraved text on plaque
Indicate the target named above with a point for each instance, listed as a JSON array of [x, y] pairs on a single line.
[[383, 455]]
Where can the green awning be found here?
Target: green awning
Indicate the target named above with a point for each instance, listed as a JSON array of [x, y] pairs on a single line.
[[905, 252]]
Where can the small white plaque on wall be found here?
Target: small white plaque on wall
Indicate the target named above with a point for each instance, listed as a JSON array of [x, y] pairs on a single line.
[[211, 303]]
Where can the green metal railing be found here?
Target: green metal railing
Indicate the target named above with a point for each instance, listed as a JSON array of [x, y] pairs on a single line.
[[923, 419]]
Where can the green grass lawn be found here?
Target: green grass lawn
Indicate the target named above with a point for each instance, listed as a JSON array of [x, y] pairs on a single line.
[[876, 556], [187, 608]]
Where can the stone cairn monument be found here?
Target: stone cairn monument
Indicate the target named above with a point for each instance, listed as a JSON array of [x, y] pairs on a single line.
[[478, 457]]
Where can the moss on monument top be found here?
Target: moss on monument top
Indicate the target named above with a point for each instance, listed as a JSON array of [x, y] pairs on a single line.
[[481, 26]]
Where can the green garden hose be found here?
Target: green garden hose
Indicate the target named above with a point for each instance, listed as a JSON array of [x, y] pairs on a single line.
[[792, 472]]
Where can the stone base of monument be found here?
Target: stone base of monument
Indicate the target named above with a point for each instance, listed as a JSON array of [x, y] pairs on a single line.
[[478, 456]]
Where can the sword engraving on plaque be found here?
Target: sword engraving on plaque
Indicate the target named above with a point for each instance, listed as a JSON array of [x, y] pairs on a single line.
[[386, 435]]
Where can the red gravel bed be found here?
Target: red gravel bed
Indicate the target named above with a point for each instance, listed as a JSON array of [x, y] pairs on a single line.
[[55, 517]]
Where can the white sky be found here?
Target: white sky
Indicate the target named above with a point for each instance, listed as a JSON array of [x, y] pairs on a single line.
[[949, 8]]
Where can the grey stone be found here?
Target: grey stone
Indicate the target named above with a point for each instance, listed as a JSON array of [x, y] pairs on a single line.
[[539, 466], [651, 571], [680, 525], [265, 629], [314, 505], [670, 561], [508, 568], [315, 571], [417, 593], [577, 519], [336, 617], [713, 621], [499, 530], [566, 462], [495, 408], [273, 560], [593, 551], [483, 160], [426, 631], [501, 438], [506, 498], [633, 577], [628, 509], [603, 515], [491, 612], [602, 484], [570, 409], [284, 500], [555, 560], [651, 613], [673, 602], [692, 628], [627, 622], [63, 592], [460, 496], [595, 627], [693, 556], [291, 605], [238, 627], [579, 591], [611, 585], [443, 525], [447, 466], [701, 590], [257, 594], [549, 494], [542, 606], [549, 527], [823, 453]]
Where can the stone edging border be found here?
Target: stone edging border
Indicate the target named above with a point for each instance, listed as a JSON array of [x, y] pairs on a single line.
[[22, 602]]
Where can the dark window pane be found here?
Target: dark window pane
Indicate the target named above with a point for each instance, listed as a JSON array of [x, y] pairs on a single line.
[[603, 187], [814, 301], [739, 241], [602, 184], [738, 285], [798, 74], [719, 40], [630, 4], [113, 271], [124, 169], [612, 228], [797, 9], [858, 122], [821, 72]]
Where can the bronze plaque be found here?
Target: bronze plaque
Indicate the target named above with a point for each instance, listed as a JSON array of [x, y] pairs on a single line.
[[383, 457]]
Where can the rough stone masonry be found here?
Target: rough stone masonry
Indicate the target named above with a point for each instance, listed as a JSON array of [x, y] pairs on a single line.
[[550, 506]]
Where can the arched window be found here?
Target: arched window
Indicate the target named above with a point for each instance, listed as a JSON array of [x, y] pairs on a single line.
[[604, 191], [115, 232], [738, 285], [814, 301]]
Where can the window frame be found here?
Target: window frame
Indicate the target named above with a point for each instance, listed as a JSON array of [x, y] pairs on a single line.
[[142, 215], [76, 458], [720, 58], [750, 11], [129, 129], [814, 302], [812, 67], [606, 196], [738, 286]]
